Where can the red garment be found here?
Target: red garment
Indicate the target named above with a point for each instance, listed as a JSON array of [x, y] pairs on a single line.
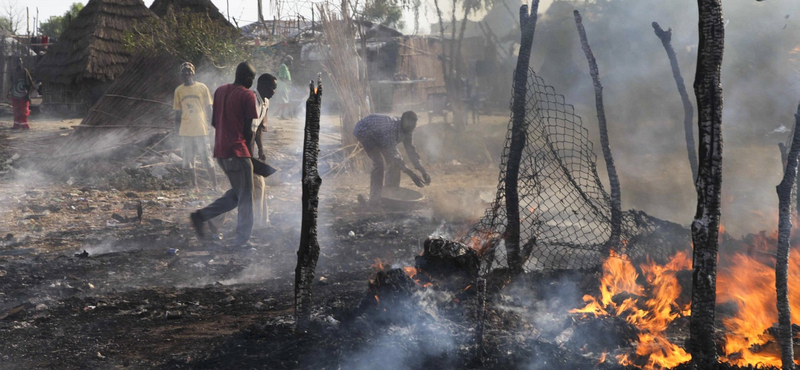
[[21, 111], [234, 110]]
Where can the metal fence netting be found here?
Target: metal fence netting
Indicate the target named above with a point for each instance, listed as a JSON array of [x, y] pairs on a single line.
[[565, 214]]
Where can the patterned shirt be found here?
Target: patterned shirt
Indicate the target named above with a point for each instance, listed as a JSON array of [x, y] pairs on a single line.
[[384, 133], [21, 83]]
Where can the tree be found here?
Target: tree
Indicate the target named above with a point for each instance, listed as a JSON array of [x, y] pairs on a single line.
[[185, 35], [56, 25], [12, 17], [385, 12], [451, 58]]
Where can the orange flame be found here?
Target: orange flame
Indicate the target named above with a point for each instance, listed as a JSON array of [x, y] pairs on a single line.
[[378, 265], [412, 274], [482, 242], [651, 314], [749, 282]]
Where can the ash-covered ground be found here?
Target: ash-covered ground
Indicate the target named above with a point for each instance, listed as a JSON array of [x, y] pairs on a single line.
[[85, 284]]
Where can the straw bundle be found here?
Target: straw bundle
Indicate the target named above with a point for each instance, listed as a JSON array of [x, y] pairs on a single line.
[[345, 68]]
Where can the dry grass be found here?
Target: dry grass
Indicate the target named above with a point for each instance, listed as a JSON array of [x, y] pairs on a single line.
[[349, 81]]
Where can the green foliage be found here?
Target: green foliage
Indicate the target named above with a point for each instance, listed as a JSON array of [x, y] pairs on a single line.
[[188, 36], [54, 26], [6, 24], [386, 12]]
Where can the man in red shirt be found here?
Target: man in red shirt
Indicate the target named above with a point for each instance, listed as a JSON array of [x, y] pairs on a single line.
[[232, 114]]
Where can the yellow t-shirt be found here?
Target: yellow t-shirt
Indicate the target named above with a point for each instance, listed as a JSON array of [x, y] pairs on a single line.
[[192, 101]]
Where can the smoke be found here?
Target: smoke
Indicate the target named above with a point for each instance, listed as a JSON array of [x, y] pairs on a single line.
[[418, 337], [760, 84]]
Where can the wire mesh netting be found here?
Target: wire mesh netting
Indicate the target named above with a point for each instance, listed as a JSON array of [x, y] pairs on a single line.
[[565, 214]]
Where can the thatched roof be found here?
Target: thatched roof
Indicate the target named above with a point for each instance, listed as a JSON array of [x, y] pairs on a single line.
[[91, 47], [161, 7]]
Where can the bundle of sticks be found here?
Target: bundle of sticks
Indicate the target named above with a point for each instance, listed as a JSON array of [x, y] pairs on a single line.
[[347, 72]]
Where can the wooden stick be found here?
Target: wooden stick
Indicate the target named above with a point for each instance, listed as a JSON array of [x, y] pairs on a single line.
[[126, 127], [518, 136], [139, 99], [616, 198], [308, 253], [784, 190], [688, 112]]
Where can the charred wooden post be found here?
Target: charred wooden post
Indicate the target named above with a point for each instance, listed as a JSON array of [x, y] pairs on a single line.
[[705, 227], [308, 253], [481, 318], [518, 133], [613, 179], [785, 189], [688, 112]]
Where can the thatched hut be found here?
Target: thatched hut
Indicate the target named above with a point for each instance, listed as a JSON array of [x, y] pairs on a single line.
[[90, 53]]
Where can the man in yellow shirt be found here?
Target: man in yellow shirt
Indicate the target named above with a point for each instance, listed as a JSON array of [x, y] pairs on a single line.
[[192, 107]]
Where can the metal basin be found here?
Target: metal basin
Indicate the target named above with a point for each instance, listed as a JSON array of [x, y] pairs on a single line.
[[401, 198]]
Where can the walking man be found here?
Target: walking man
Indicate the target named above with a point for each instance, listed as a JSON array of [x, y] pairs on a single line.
[[21, 85], [379, 135], [265, 89], [232, 116], [192, 107]]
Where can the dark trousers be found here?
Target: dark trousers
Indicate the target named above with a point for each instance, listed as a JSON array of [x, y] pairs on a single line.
[[376, 178], [240, 174]]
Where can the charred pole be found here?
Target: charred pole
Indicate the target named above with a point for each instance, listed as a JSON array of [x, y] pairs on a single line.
[[705, 227], [688, 111], [308, 253], [785, 189], [518, 132], [613, 179]]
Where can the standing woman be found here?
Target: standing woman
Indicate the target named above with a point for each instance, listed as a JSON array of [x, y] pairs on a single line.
[[284, 87], [21, 85]]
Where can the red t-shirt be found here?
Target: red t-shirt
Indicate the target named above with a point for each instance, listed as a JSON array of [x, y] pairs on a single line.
[[234, 110]]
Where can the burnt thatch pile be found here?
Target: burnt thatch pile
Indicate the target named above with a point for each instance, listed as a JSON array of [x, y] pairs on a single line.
[[90, 53]]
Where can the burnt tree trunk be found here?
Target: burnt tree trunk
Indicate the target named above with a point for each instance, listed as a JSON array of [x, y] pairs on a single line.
[[705, 227], [688, 112], [785, 189], [308, 253], [613, 179], [518, 133]]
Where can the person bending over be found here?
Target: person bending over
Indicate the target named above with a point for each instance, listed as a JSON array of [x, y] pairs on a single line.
[[379, 135]]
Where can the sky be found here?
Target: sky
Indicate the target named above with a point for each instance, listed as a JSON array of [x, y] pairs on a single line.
[[244, 11]]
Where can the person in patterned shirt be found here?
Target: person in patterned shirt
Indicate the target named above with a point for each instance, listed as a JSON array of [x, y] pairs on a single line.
[[21, 85], [379, 135]]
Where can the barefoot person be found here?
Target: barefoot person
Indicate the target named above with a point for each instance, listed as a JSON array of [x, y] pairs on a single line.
[[265, 89], [232, 116], [379, 135], [21, 85], [192, 107]]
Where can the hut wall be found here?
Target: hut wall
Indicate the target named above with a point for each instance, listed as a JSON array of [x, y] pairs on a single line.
[[72, 98], [418, 59]]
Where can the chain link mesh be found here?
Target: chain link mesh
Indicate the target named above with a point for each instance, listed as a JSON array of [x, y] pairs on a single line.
[[565, 214]]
